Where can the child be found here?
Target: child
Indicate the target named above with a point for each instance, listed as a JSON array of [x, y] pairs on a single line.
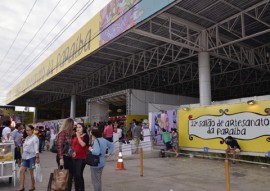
[[175, 141], [47, 144], [166, 139]]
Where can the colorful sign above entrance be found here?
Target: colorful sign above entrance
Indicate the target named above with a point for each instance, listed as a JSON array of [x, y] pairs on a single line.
[[110, 22], [209, 126]]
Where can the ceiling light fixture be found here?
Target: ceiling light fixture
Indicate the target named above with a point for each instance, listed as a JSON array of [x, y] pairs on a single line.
[[250, 102]]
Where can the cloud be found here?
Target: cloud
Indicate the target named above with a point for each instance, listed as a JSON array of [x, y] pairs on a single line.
[[14, 13]]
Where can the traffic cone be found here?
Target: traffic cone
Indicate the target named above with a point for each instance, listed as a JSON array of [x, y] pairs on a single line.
[[120, 163]]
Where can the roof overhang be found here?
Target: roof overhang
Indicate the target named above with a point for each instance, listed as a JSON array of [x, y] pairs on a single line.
[[159, 53]]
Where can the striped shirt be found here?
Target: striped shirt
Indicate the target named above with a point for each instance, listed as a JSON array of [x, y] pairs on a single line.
[[17, 137], [61, 138]]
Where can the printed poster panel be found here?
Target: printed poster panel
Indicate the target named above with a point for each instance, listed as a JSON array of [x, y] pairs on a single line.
[[19, 117], [112, 11], [160, 120], [131, 14], [209, 126]]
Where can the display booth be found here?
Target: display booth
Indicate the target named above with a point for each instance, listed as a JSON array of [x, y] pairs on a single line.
[[7, 162]]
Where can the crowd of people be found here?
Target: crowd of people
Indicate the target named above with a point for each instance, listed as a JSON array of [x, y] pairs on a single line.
[[74, 140], [72, 157]]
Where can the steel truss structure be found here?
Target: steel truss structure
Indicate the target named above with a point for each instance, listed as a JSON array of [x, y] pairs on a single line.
[[161, 54]]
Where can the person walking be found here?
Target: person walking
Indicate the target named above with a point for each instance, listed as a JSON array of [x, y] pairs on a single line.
[[108, 132], [64, 143], [80, 145], [175, 145], [166, 139], [99, 148], [132, 125], [30, 156], [6, 131], [232, 147], [119, 132], [124, 133], [16, 135], [137, 132]]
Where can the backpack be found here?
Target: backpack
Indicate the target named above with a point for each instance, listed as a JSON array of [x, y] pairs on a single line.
[[66, 147], [54, 146]]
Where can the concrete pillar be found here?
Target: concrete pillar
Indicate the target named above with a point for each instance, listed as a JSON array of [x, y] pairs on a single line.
[[35, 114], [73, 107], [204, 71], [62, 112], [204, 78], [87, 109]]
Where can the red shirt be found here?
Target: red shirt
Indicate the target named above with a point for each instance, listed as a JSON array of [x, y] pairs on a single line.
[[80, 151], [108, 131]]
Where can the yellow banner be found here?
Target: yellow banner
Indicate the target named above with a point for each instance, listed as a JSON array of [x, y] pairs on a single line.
[[208, 127], [19, 116], [130, 118], [82, 43]]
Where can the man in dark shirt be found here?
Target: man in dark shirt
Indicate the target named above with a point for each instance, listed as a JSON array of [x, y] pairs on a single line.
[[232, 146]]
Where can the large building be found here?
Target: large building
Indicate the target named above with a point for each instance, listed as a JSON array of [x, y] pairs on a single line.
[[210, 50]]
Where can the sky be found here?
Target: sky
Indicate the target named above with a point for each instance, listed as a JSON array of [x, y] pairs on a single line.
[[28, 27]]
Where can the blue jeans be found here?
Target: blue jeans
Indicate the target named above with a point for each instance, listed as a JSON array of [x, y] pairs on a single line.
[[29, 163], [110, 139], [96, 178]]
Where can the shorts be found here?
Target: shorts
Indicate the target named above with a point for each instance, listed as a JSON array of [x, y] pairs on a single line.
[[136, 141], [168, 145], [237, 150], [110, 139], [29, 163]]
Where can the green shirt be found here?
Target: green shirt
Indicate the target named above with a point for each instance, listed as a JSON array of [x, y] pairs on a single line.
[[166, 137], [124, 131]]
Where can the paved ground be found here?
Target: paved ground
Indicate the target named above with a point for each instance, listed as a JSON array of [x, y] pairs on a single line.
[[166, 174]]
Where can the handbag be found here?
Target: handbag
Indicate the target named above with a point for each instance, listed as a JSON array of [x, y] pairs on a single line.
[[54, 146], [18, 170], [37, 173], [92, 160], [49, 188], [60, 180], [141, 137], [66, 147]]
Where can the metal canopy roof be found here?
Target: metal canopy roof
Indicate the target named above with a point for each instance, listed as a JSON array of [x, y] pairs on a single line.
[[161, 54]]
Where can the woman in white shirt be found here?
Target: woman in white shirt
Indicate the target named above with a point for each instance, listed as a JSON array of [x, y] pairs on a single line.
[[6, 131], [30, 157], [119, 132]]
